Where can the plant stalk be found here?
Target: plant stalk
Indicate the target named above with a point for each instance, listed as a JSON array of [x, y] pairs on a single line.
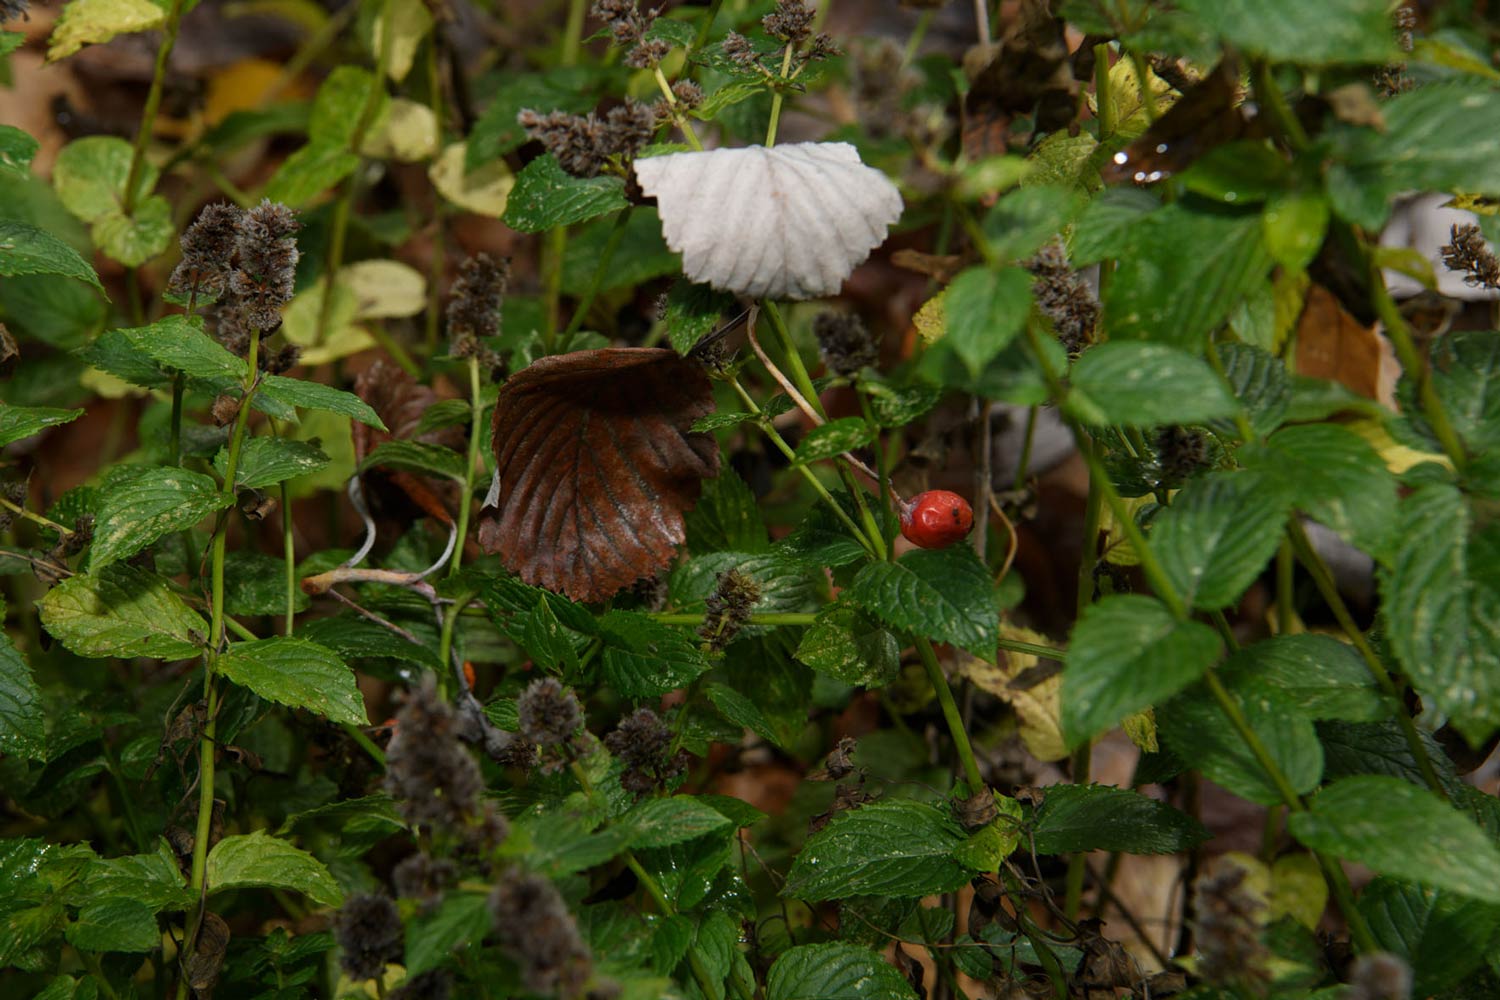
[[476, 431], [951, 715]]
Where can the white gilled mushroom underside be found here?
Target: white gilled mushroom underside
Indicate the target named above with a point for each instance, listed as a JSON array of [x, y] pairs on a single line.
[[789, 221]]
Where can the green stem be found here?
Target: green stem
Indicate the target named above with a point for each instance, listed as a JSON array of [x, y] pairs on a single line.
[[1103, 98], [1286, 617], [289, 557], [951, 715], [793, 357], [914, 40], [776, 97], [445, 641], [1416, 367], [476, 429], [607, 254], [1328, 588], [573, 33], [339, 225], [1270, 97], [803, 470], [153, 104], [678, 116], [174, 432], [35, 518]]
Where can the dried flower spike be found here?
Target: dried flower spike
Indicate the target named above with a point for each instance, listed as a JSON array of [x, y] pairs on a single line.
[[1379, 976], [208, 247], [1230, 917], [434, 780], [12, 9], [263, 278], [728, 609], [641, 742], [534, 926], [791, 22], [845, 343], [370, 935], [548, 714], [1469, 253], [1063, 297], [1180, 452]]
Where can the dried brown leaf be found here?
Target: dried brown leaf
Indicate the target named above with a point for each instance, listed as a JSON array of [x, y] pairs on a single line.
[[596, 466]]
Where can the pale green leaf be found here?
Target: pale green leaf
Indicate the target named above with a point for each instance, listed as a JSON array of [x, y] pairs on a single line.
[[257, 859], [122, 611], [299, 673]]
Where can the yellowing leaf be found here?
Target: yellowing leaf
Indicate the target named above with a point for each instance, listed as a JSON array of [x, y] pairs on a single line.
[[1298, 890], [1397, 457], [88, 22], [1117, 548], [407, 132], [1037, 705], [483, 192], [107, 386], [410, 22], [300, 324], [384, 288], [1128, 110], [1141, 728], [931, 320]]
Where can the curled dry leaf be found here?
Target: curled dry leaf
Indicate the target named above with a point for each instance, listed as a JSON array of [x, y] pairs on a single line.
[[790, 221], [596, 466], [400, 401]]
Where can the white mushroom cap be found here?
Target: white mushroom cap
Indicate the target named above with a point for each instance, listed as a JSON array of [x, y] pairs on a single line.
[[789, 221]]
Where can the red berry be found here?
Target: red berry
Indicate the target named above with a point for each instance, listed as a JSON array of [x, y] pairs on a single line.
[[936, 519]]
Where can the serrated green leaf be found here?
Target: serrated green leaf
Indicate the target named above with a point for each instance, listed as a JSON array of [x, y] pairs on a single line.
[[1442, 608], [1466, 368], [726, 517], [255, 584], [135, 513], [299, 673], [1027, 217], [693, 311], [17, 422], [783, 585], [1324, 33], [1295, 223], [17, 149], [1399, 829], [415, 456], [266, 461], [1145, 385], [663, 822], [89, 22], [1075, 818], [115, 925], [545, 196], [122, 611], [1218, 534], [23, 730], [309, 172], [1438, 137], [943, 594], [1184, 269], [258, 859], [1315, 675], [1351, 748], [1126, 654], [432, 937], [1259, 380], [985, 310], [316, 396], [339, 102], [25, 249], [848, 645], [898, 406], [152, 879], [833, 438], [742, 711], [178, 343], [1196, 729], [835, 971], [1441, 935], [643, 659], [352, 638], [1335, 477], [1104, 229], [896, 847]]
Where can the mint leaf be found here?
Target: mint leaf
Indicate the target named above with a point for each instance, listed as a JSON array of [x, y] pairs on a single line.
[[115, 925], [299, 673], [1218, 534], [545, 196], [316, 396], [258, 859], [1399, 829], [943, 594], [134, 513], [122, 611], [985, 310], [18, 422], [1315, 675], [1335, 477], [25, 249], [1074, 818], [663, 822], [896, 847], [1197, 730], [266, 461], [1325, 33], [1128, 653], [644, 659], [23, 730], [177, 342], [431, 937], [848, 645], [835, 971], [833, 438], [1442, 608], [1145, 385], [693, 311], [1443, 936]]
